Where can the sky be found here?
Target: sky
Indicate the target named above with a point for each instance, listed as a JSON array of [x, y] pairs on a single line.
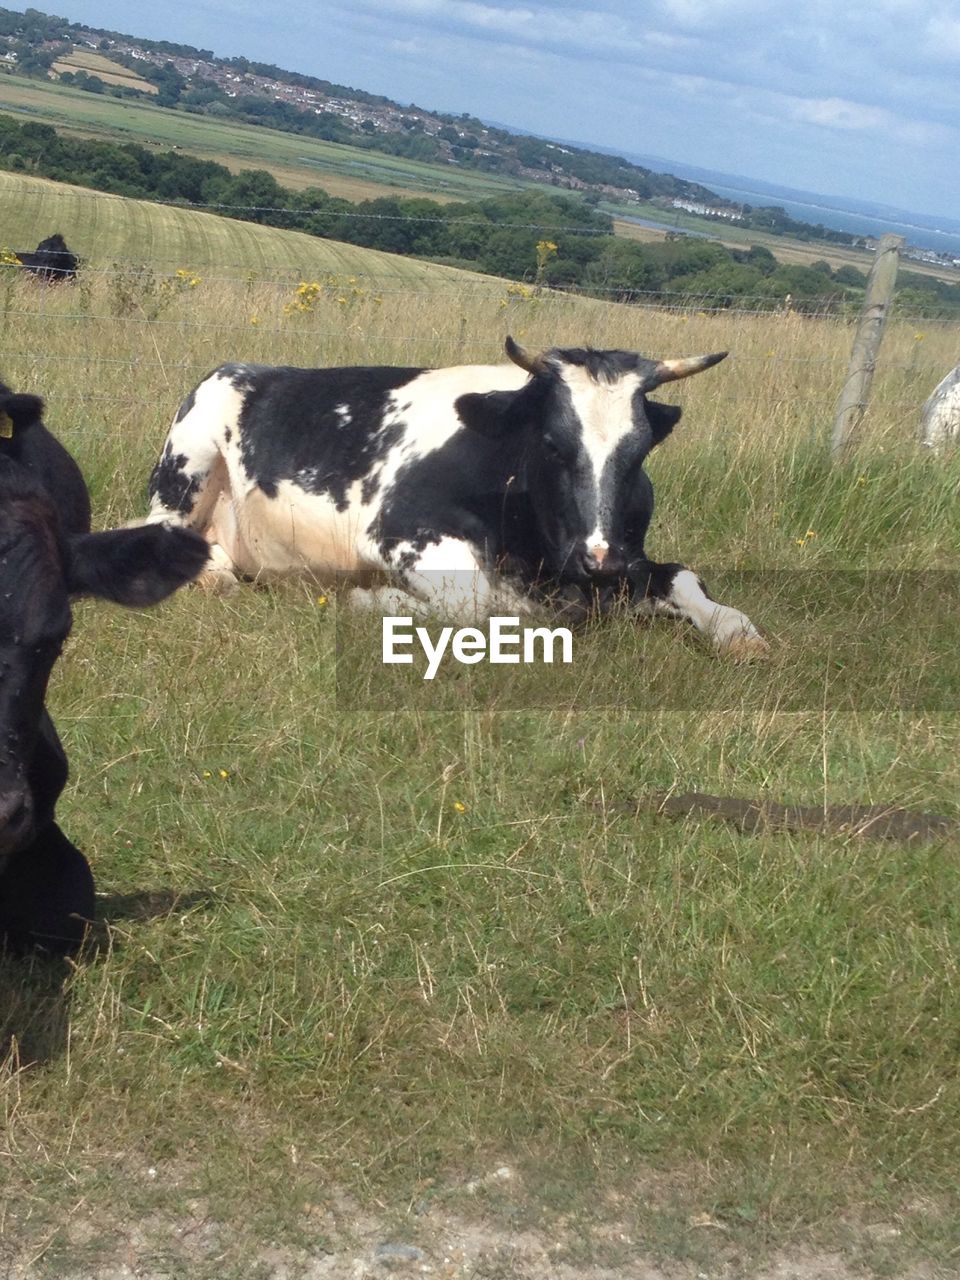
[[840, 97]]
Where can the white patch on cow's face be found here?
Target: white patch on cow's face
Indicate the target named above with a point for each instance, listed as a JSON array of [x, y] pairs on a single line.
[[605, 413], [344, 416]]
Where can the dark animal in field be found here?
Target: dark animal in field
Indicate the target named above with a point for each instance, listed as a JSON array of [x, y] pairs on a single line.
[[51, 261], [477, 488], [47, 556], [940, 416]]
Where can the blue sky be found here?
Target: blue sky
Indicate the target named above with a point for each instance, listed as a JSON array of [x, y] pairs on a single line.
[[842, 97]]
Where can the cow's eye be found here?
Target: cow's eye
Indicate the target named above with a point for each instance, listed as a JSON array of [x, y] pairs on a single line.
[[551, 448]]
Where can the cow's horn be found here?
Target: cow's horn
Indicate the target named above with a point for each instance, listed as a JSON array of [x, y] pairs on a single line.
[[671, 370], [532, 364]]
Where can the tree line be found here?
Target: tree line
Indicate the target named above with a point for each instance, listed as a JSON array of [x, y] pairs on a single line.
[[541, 237]]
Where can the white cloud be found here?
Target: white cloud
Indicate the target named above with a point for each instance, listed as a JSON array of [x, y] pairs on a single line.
[[943, 37], [837, 113]]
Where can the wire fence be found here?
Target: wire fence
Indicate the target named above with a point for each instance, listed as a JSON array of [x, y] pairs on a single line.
[[136, 324], [390, 284], [673, 296]]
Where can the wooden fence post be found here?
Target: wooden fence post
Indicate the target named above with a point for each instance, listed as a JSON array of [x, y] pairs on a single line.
[[866, 344]]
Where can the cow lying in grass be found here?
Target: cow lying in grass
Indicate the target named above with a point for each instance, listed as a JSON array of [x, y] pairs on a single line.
[[445, 477], [51, 261], [47, 555]]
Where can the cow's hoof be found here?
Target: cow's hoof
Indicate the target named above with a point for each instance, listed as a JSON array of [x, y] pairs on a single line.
[[744, 648]]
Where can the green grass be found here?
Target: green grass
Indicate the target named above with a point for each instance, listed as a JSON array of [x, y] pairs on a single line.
[[298, 160], [107, 231], [378, 945]]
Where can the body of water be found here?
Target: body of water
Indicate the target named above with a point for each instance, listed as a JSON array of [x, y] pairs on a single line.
[[943, 241]]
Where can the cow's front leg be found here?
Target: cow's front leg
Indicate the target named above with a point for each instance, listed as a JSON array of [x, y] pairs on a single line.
[[46, 895], [678, 592], [446, 578]]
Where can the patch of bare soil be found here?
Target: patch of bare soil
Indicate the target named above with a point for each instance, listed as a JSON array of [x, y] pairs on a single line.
[[444, 1240]]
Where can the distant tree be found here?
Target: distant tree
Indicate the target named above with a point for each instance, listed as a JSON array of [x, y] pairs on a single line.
[[758, 256], [850, 276]]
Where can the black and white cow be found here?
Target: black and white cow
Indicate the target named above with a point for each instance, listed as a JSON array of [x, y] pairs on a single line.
[[447, 477], [47, 555], [940, 416]]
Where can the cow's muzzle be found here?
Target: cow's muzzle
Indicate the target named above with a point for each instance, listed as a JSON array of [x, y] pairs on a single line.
[[601, 563]]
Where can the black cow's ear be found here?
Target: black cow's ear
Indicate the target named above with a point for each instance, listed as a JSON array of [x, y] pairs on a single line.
[[135, 567], [490, 413], [17, 412], [662, 418]]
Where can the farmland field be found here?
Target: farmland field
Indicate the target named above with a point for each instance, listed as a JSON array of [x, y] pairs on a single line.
[[106, 69], [295, 160], [361, 948]]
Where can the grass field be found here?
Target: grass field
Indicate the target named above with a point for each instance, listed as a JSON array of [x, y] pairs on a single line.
[[369, 945], [106, 69], [783, 248], [296, 161], [110, 232]]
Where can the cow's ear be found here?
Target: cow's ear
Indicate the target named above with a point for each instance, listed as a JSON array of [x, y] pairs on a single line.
[[135, 567], [662, 418], [17, 412], [490, 413]]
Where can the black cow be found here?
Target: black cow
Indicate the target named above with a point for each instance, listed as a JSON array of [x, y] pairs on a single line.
[[444, 476], [51, 261], [47, 555]]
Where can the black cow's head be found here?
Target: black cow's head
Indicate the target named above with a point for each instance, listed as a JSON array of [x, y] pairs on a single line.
[[41, 568], [589, 427]]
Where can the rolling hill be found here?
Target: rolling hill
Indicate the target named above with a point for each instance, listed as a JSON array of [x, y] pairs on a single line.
[[105, 229]]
